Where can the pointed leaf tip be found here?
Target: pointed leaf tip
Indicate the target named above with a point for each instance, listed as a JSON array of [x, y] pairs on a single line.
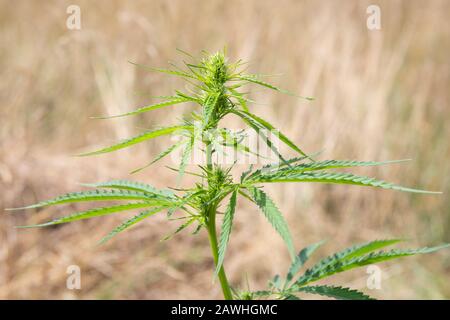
[[276, 219], [147, 135]]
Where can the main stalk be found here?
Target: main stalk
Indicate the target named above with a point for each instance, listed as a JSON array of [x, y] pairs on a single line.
[[211, 226], [215, 73]]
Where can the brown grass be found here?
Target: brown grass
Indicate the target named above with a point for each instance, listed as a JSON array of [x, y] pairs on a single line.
[[379, 95]]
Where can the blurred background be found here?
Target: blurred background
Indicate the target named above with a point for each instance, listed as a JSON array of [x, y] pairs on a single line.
[[380, 94]]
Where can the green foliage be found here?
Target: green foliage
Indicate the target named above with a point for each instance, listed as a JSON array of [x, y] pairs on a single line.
[[300, 260], [214, 85], [340, 293], [317, 165], [262, 124], [332, 177], [169, 102], [95, 195], [185, 157], [349, 258], [261, 131], [274, 216], [226, 229], [130, 222], [137, 139], [254, 79], [320, 271], [181, 227], [161, 155], [209, 107], [132, 185], [330, 263], [97, 212]]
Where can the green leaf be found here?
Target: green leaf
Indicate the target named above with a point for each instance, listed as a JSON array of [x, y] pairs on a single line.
[[209, 106], [333, 164], [264, 124], [182, 202], [171, 72], [245, 195], [381, 256], [97, 212], [270, 86], [197, 230], [134, 140], [161, 155], [348, 253], [180, 228], [185, 158], [95, 195], [300, 260], [276, 282], [228, 140], [340, 293], [186, 172], [185, 53], [272, 167], [334, 177], [226, 230], [323, 270], [240, 97], [364, 248], [130, 222], [131, 185], [173, 101], [256, 126], [274, 216]]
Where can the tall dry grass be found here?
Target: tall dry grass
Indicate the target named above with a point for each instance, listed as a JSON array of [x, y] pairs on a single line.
[[379, 95]]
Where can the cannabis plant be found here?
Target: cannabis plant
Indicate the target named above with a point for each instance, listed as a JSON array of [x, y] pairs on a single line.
[[216, 87]]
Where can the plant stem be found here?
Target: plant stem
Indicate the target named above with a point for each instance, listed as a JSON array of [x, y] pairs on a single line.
[[213, 242], [208, 149], [211, 223]]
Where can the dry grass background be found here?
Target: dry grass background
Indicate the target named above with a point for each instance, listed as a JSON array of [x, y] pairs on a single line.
[[379, 95]]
